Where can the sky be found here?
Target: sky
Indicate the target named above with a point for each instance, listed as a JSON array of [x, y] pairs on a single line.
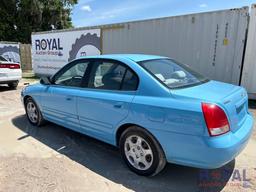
[[98, 12]]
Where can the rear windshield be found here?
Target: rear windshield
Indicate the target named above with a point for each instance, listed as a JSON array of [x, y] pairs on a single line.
[[172, 73], [2, 58]]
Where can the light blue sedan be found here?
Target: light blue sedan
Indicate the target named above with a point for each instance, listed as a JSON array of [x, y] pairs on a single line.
[[153, 108]]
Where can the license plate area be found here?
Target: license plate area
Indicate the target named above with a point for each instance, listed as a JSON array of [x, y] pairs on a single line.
[[240, 108], [241, 112], [3, 75]]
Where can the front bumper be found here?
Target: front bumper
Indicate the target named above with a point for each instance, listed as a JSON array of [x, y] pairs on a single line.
[[205, 152]]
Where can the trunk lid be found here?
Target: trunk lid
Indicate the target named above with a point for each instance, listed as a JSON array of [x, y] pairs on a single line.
[[233, 99]]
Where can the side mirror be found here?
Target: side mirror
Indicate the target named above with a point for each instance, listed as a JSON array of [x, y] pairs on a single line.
[[45, 81]]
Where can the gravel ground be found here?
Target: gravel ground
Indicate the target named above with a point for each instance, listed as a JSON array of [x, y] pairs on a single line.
[[52, 158]]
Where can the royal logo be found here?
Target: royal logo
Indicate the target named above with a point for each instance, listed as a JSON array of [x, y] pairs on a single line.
[[48, 44]]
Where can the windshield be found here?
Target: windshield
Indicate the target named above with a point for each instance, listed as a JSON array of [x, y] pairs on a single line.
[[172, 73], [2, 58]]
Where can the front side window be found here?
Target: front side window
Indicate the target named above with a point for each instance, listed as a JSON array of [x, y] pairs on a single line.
[[172, 73], [112, 76], [73, 75]]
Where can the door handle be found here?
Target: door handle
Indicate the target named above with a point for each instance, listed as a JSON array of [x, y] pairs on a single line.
[[69, 98], [118, 105]]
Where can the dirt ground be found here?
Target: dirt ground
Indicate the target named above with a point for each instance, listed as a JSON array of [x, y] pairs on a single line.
[[52, 158]]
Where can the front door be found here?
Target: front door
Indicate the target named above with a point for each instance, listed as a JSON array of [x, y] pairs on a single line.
[[59, 101]]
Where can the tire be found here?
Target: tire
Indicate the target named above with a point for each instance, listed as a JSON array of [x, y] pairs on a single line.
[[38, 120], [148, 159], [13, 85]]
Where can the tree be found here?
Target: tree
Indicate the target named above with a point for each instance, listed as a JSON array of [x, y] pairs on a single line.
[[19, 18], [7, 18]]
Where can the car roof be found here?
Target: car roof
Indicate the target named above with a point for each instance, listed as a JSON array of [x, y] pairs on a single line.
[[133, 57]]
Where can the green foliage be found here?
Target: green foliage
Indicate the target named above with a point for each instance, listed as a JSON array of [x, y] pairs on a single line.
[[19, 18]]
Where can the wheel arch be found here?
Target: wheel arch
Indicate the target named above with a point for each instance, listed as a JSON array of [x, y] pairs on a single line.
[[35, 100], [120, 130], [25, 99]]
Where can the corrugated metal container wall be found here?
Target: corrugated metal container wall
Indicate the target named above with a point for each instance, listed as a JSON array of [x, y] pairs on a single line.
[[212, 43], [249, 69]]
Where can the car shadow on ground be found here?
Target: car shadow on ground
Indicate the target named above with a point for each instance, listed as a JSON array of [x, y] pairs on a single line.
[[252, 104], [5, 88], [105, 160]]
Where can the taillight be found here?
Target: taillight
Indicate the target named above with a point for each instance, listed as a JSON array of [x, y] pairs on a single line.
[[10, 66], [216, 119]]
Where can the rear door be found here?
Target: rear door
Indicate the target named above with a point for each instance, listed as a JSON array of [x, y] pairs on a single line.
[[59, 100], [106, 99]]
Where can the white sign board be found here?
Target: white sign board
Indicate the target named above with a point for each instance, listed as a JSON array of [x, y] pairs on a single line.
[[51, 51], [10, 51]]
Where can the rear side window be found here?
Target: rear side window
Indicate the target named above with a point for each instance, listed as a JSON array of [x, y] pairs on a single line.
[[130, 82], [110, 75]]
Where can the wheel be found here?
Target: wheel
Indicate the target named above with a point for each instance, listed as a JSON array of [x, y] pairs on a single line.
[[13, 85], [141, 152], [33, 113]]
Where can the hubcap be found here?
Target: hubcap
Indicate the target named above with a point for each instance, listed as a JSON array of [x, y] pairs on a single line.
[[32, 112], [138, 152]]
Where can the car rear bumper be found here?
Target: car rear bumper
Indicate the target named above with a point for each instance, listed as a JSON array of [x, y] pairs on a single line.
[[9, 81], [205, 152], [7, 78]]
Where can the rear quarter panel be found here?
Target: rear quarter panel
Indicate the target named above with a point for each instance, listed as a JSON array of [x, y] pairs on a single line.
[[168, 114]]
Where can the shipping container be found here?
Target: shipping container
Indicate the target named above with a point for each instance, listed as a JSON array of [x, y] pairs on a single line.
[[212, 43], [249, 67]]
